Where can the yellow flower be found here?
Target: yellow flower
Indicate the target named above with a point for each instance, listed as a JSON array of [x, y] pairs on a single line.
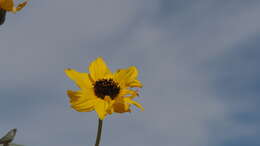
[[104, 91], [8, 5]]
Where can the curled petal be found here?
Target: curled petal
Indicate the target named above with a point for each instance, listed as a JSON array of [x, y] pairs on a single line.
[[110, 102], [80, 103], [74, 95], [128, 93], [130, 101], [126, 76], [20, 6], [135, 83], [86, 106], [79, 96], [120, 106]]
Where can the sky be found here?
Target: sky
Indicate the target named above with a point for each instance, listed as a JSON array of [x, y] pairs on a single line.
[[198, 61]]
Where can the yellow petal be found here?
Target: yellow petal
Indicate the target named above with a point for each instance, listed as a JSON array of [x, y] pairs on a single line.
[[135, 83], [98, 69], [125, 76], [86, 106], [120, 106], [74, 95], [101, 108], [110, 102], [81, 79], [20, 6], [80, 102], [79, 96], [128, 93], [130, 101]]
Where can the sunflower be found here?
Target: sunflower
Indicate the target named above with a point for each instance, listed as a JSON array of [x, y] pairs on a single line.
[[8, 5], [104, 91]]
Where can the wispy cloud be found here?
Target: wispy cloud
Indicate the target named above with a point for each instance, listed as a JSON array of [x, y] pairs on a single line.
[[180, 48]]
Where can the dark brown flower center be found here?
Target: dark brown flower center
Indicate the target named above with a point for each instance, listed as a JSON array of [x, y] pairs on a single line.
[[106, 87]]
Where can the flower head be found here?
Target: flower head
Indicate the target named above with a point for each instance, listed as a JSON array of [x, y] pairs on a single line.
[[104, 91], [8, 5]]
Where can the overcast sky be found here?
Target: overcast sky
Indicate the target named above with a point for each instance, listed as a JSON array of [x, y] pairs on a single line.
[[198, 61]]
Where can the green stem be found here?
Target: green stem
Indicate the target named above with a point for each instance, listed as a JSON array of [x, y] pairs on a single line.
[[100, 123]]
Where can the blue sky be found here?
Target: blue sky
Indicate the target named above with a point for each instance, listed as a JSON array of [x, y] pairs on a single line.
[[198, 61]]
